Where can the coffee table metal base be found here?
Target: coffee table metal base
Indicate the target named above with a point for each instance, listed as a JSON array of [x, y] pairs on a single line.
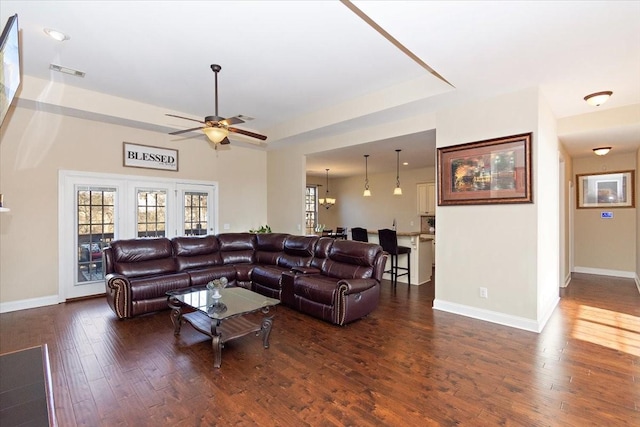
[[221, 332]]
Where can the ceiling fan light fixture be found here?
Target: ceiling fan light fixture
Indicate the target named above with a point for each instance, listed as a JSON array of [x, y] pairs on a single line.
[[598, 98], [601, 151], [215, 134]]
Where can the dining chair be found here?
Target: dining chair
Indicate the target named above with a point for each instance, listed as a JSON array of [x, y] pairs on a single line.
[[359, 234], [389, 242]]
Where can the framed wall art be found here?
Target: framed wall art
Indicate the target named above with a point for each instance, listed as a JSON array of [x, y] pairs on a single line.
[[606, 190], [145, 156], [486, 172]]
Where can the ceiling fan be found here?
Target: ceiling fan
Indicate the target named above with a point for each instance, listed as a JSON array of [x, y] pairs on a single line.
[[215, 127]]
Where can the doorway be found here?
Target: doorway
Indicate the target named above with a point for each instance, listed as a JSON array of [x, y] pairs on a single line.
[[95, 209]]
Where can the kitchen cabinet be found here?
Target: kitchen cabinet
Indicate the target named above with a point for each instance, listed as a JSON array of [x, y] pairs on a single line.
[[427, 198]]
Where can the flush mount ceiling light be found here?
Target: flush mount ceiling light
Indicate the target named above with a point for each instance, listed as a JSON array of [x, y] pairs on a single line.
[[397, 191], [56, 35], [598, 98], [367, 192], [601, 151], [327, 202]]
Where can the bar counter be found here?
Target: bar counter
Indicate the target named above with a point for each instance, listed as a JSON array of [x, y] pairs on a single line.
[[421, 256]]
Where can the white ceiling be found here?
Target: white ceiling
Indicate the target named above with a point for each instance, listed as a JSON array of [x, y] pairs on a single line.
[[306, 70]]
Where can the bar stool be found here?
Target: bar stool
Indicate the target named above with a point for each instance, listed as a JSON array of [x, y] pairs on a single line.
[[389, 242], [359, 234]]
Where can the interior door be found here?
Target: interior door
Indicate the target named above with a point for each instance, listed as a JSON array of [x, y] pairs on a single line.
[[96, 209]]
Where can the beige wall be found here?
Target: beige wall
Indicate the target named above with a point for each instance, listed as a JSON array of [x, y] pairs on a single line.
[[566, 188], [509, 249], [605, 246], [35, 145]]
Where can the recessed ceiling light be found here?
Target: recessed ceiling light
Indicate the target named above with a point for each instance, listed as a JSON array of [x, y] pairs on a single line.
[[598, 98], [405, 163], [56, 35]]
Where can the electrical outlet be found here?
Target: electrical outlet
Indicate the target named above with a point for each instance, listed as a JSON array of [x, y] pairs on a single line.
[[484, 293], [411, 223], [226, 227]]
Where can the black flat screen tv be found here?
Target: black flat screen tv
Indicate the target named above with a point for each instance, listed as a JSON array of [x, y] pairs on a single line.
[[10, 63]]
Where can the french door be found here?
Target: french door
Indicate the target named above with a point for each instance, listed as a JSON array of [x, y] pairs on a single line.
[[95, 209]]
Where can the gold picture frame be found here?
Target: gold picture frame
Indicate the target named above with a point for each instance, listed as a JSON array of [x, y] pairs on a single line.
[[606, 190], [486, 172]]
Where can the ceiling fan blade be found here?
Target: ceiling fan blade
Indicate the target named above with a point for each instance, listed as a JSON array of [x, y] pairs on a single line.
[[185, 118], [246, 132], [225, 141], [178, 132], [232, 121]]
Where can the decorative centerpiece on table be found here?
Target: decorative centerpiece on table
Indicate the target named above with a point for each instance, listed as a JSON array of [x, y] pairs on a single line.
[[216, 286]]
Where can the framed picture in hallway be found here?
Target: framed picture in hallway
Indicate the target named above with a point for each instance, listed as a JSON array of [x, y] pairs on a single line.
[[606, 190], [486, 172]]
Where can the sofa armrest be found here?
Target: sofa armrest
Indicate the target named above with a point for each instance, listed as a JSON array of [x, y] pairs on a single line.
[[118, 289], [305, 270], [352, 286]]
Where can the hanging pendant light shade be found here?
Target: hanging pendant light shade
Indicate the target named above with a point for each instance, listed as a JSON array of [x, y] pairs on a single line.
[[397, 191], [367, 192], [327, 202]]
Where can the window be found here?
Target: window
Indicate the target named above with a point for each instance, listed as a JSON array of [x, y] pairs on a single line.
[[311, 209], [152, 213], [95, 226], [195, 213]]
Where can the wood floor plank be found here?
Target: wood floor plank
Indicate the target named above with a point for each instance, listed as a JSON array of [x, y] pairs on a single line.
[[404, 364]]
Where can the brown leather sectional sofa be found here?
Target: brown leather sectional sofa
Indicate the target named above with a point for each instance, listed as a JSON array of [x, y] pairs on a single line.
[[334, 280]]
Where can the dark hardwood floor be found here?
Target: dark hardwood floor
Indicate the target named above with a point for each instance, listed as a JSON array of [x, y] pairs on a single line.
[[404, 365]]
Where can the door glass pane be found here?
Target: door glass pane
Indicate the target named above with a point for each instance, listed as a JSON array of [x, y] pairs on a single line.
[[152, 209], [95, 224], [195, 213], [311, 209]]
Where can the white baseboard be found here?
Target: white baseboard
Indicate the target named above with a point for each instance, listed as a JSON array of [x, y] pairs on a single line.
[[495, 317], [567, 280], [6, 307], [605, 272]]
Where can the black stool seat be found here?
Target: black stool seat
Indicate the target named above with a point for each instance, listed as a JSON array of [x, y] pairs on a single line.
[[389, 242]]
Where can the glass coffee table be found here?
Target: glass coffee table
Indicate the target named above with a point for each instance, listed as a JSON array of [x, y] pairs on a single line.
[[222, 319]]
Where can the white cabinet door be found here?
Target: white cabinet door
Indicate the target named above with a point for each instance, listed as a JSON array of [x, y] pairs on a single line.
[[427, 198], [431, 198]]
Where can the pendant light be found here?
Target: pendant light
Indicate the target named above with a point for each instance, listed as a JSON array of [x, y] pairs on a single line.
[[397, 191], [327, 202], [367, 192]]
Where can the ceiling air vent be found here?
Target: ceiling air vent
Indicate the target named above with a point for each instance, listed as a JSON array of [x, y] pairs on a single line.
[[66, 70]]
